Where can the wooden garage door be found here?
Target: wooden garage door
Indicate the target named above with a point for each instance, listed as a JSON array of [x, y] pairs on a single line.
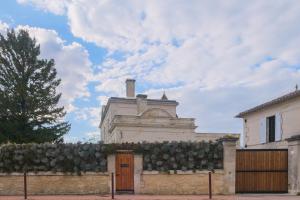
[[124, 172], [262, 170]]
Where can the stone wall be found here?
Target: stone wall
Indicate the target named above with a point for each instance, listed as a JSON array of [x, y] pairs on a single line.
[[148, 182], [189, 182], [49, 183], [145, 182], [153, 182]]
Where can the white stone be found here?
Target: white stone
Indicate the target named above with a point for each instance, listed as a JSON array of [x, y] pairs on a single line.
[[141, 119], [290, 126]]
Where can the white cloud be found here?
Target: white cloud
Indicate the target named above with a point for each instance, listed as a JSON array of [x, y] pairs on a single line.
[[55, 6], [71, 139], [90, 114], [207, 54], [71, 61], [103, 99], [93, 136]]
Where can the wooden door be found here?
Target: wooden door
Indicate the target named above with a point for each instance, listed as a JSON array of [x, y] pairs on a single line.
[[124, 172], [262, 170]]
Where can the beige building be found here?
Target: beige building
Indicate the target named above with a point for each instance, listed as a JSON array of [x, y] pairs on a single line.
[[138, 118], [270, 124]]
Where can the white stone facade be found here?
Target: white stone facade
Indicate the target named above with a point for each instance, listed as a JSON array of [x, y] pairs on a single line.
[[138, 119], [286, 111], [142, 119]]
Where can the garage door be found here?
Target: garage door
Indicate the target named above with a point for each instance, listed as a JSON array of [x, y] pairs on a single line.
[[262, 170]]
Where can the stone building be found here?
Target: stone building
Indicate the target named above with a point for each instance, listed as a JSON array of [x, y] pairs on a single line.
[[269, 125], [273, 127], [136, 118]]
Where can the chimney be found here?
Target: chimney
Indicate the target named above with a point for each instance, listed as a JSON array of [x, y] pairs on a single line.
[[130, 88]]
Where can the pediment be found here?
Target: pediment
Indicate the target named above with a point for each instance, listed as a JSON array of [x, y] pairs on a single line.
[[156, 113]]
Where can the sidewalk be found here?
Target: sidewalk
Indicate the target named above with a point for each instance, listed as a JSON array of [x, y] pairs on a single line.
[[156, 197]]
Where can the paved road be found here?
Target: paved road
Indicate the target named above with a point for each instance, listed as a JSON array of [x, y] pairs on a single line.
[[148, 197]]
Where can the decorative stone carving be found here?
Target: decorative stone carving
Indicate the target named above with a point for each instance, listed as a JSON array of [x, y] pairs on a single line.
[[155, 113]]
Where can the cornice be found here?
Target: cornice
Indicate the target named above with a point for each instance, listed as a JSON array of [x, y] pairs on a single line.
[[133, 101]]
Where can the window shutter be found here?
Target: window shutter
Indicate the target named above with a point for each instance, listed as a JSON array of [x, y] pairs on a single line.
[[278, 131], [263, 131]]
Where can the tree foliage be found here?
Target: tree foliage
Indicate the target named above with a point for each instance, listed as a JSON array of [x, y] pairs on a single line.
[[29, 110]]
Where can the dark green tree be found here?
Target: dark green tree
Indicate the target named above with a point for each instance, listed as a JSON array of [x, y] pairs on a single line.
[[28, 98]]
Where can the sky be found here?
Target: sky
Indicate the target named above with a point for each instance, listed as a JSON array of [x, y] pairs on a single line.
[[216, 58]]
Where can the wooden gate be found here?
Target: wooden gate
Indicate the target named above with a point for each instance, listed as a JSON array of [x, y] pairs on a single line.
[[124, 172], [262, 171]]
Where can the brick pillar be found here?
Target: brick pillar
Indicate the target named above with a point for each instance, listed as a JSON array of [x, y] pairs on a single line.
[[138, 169], [294, 165], [111, 168], [229, 162]]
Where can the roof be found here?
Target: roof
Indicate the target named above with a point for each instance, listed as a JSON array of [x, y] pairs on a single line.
[[133, 101], [278, 100]]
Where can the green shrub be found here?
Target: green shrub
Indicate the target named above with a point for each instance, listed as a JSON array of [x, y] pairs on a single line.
[[183, 156], [77, 158]]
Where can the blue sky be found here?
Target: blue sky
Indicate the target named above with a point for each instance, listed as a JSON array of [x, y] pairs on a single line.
[[15, 14], [216, 58]]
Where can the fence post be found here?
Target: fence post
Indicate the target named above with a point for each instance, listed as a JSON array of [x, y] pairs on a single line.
[[294, 165], [25, 185], [229, 160], [112, 186], [111, 168], [209, 184]]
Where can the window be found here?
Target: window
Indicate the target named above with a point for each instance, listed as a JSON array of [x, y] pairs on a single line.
[[271, 129]]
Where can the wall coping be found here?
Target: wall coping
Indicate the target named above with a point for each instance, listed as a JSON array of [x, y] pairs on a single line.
[[293, 138], [180, 172], [229, 139], [56, 174]]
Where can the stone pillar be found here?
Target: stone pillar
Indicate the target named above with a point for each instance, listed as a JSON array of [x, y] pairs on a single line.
[[294, 165], [111, 168], [229, 162], [138, 170]]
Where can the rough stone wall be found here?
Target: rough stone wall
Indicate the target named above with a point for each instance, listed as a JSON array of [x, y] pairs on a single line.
[[48, 183], [181, 183]]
